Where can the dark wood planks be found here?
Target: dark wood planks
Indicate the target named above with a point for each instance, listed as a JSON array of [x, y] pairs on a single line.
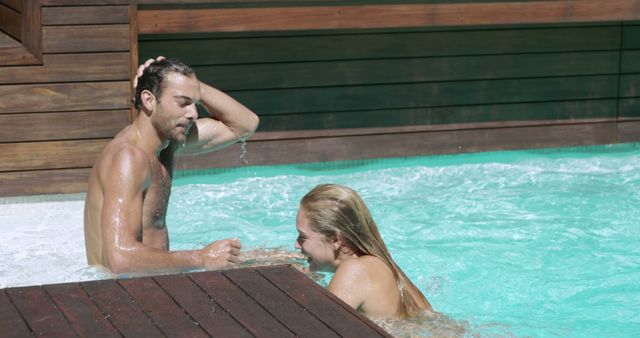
[[279, 304], [62, 125], [10, 320], [208, 314], [411, 70], [49, 155], [86, 38], [275, 301], [85, 15], [123, 312], [47, 181], [157, 21], [33, 98], [166, 314], [244, 309], [70, 68], [319, 147], [40, 313], [302, 47], [83, 315], [11, 21], [62, 101], [291, 284]]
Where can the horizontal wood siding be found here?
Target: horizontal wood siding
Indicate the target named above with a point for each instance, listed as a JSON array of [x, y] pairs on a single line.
[[630, 73], [359, 94], [55, 117], [445, 13], [330, 81]]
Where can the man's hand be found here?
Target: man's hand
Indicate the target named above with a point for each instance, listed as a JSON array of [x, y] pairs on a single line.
[[142, 67], [221, 254]]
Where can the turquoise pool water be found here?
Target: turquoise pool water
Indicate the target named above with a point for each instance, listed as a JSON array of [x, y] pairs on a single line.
[[542, 243]]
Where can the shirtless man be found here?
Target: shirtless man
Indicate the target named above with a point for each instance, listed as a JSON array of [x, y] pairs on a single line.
[[130, 183]]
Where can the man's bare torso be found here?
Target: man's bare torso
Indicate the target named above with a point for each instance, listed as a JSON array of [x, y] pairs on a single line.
[[151, 228]]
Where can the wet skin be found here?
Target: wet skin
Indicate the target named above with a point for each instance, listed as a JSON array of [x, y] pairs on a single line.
[[130, 183]]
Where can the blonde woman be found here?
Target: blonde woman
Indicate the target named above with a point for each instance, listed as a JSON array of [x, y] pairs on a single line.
[[337, 234]]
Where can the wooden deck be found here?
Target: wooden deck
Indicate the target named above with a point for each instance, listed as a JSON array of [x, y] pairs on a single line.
[[276, 301]]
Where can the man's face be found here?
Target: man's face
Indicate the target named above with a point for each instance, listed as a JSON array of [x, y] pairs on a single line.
[[314, 245], [176, 108]]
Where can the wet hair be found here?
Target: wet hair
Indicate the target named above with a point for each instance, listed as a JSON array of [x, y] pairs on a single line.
[[152, 79], [333, 209]]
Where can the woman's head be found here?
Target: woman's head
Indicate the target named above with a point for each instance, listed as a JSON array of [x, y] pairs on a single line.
[[341, 217], [334, 217]]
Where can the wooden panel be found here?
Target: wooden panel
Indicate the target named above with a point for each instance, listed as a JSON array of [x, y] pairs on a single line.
[[62, 126], [631, 37], [209, 315], [85, 15], [629, 131], [71, 68], [228, 50], [49, 155], [164, 312], [10, 320], [85, 318], [279, 304], [453, 116], [32, 28], [44, 182], [308, 100], [251, 315], [11, 22], [123, 312], [143, 309], [630, 85], [629, 108], [85, 38], [14, 4], [630, 62], [354, 72], [17, 56], [8, 42], [383, 16], [405, 144], [295, 284], [64, 97], [84, 2], [40, 313]]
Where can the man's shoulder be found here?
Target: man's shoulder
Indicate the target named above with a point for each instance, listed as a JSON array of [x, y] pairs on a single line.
[[118, 153]]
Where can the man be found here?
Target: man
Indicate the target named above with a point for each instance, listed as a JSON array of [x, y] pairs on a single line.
[[130, 183]]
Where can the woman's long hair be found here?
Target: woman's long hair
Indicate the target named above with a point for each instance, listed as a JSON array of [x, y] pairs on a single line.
[[334, 209]]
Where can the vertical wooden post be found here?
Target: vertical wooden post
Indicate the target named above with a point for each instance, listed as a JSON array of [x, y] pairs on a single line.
[[133, 52]]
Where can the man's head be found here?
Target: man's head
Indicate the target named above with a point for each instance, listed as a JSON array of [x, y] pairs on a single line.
[[167, 92], [153, 77]]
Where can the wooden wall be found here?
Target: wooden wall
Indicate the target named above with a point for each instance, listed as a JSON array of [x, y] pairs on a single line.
[[331, 80], [352, 94], [57, 115]]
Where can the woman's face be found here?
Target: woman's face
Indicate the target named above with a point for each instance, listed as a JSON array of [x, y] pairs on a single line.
[[319, 249]]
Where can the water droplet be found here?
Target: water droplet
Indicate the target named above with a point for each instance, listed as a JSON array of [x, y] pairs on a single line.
[[243, 155]]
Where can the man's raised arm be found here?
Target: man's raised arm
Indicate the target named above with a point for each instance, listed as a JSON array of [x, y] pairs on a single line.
[[230, 122]]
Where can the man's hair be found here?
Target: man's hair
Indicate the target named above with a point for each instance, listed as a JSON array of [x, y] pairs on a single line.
[[153, 77]]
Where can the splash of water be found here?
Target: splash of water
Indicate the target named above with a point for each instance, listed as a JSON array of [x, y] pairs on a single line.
[[243, 154]]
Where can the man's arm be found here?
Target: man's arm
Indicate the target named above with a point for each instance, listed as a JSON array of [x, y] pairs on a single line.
[[124, 182], [230, 121]]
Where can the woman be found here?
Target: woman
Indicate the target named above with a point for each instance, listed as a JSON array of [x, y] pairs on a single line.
[[338, 234]]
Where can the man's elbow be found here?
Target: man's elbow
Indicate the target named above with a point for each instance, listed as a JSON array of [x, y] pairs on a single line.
[[250, 126], [118, 263]]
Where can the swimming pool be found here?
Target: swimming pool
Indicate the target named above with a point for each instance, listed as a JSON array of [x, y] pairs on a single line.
[[539, 243]]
